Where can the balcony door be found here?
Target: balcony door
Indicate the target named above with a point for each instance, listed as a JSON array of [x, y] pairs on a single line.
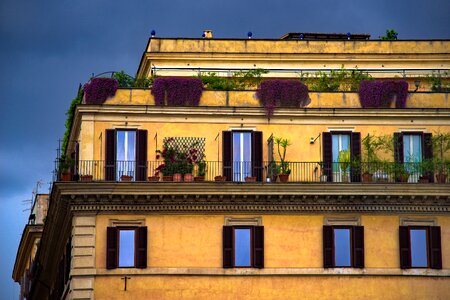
[[340, 142], [126, 154], [242, 155]]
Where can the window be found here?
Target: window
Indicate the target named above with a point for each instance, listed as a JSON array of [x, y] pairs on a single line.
[[333, 143], [343, 246], [126, 247], [410, 149], [420, 247], [242, 155], [126, 154], [243, 246]]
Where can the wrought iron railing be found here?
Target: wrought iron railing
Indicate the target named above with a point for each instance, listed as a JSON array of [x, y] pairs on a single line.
[[238, 171]]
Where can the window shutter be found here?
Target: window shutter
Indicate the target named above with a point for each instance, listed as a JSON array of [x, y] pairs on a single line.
[[405, 251], [110, 154], [111, 248], [355, 155], [358, 246], [428, 152], [228, 255], [328, 247], [398, 147], [435, 247], [141, 155], [258, 247], [141, 247], [327, 155], [257, 155], [227, 154]]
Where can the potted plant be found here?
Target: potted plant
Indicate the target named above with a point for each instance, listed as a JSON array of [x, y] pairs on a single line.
[[370, 145], [220, 178], [283, 169], [250, 179], [344, 163], [323, 176], [441, 145], [425, 167], [401, 173], [86, 178], [201, 171], [65, 164]]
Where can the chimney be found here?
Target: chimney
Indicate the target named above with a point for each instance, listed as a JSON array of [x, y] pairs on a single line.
[[207, 34]]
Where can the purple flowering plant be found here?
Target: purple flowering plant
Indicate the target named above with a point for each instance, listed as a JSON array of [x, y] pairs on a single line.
[[97, 90], [273, 93], [175, 91], [378, 93]]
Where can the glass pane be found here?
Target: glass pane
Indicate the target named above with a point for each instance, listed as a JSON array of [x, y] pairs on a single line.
[[242, 142], [242, 247], [126, 248], [342, 247], [419, 248], [125, 153], [339, 142]]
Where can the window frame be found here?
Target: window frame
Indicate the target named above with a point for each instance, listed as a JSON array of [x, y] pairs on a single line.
[[356, 252], [427, 245], [350, 228], [126, 228], [256, 242]]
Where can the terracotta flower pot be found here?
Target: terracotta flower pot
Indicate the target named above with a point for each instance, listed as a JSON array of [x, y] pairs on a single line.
[[199, 178], [177, 177], [403, 178], [66, 176], [424, 179], [167, 178], [250, 179], [86, 178], [220, 178], [283, 177], [188, 177], [441, 178], [366, 177], [126, 178], [153, 178]]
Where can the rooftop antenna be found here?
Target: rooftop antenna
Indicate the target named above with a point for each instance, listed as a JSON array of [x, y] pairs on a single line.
[[33, 195]]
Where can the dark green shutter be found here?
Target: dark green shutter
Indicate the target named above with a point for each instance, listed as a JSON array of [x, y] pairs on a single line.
[[110, 154], [111, 248], [327, 155], [435, 247], [257, 155], [405, 250], [358, 246], [328, 247], [141, 247], [258, 247], [227, 155], [141, 155], [228, 251]]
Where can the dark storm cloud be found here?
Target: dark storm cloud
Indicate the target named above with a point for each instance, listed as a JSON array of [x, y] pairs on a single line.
[[48, 47]]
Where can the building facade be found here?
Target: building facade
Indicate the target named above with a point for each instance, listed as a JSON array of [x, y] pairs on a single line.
[[113, 233]]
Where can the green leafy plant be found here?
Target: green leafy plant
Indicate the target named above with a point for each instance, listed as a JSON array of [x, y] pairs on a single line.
[[437, 84], [371, 145], [126, 81], [441, 146], [65, 163], [335, 80], [240, 80], [391, 35], [344, 160], [201, 168], [282, 144], [69, 120]]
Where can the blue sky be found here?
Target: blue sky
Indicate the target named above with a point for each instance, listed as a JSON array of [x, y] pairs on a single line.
[[48, 47]]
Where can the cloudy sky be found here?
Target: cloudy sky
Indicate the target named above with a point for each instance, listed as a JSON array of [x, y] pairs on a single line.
[[48, 47]]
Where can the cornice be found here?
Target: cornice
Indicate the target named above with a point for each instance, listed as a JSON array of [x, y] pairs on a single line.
[[29, 235], [254, 198]]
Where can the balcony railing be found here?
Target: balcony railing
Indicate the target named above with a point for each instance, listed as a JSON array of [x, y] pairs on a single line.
[[238, 171]]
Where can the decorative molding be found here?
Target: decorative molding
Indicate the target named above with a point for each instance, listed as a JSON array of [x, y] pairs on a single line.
[[414, 221], [336, 220], [234, 221], [133, 222]]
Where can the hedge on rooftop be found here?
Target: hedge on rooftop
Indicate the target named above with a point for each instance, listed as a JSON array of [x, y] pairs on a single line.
[[379, 94], [175, 91], [273, 93]]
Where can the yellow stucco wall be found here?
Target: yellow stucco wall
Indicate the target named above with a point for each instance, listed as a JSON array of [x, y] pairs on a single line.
[[248, 99], [291, 241], [269, 287]]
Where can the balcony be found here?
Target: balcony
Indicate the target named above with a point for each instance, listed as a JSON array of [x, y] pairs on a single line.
[[268, 172]]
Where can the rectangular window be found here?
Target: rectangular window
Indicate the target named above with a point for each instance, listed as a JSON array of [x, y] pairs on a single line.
[[420, 247], [343, 246], [126, 247], [243, 246], [242, 157], [125, 153], [340, 142]]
